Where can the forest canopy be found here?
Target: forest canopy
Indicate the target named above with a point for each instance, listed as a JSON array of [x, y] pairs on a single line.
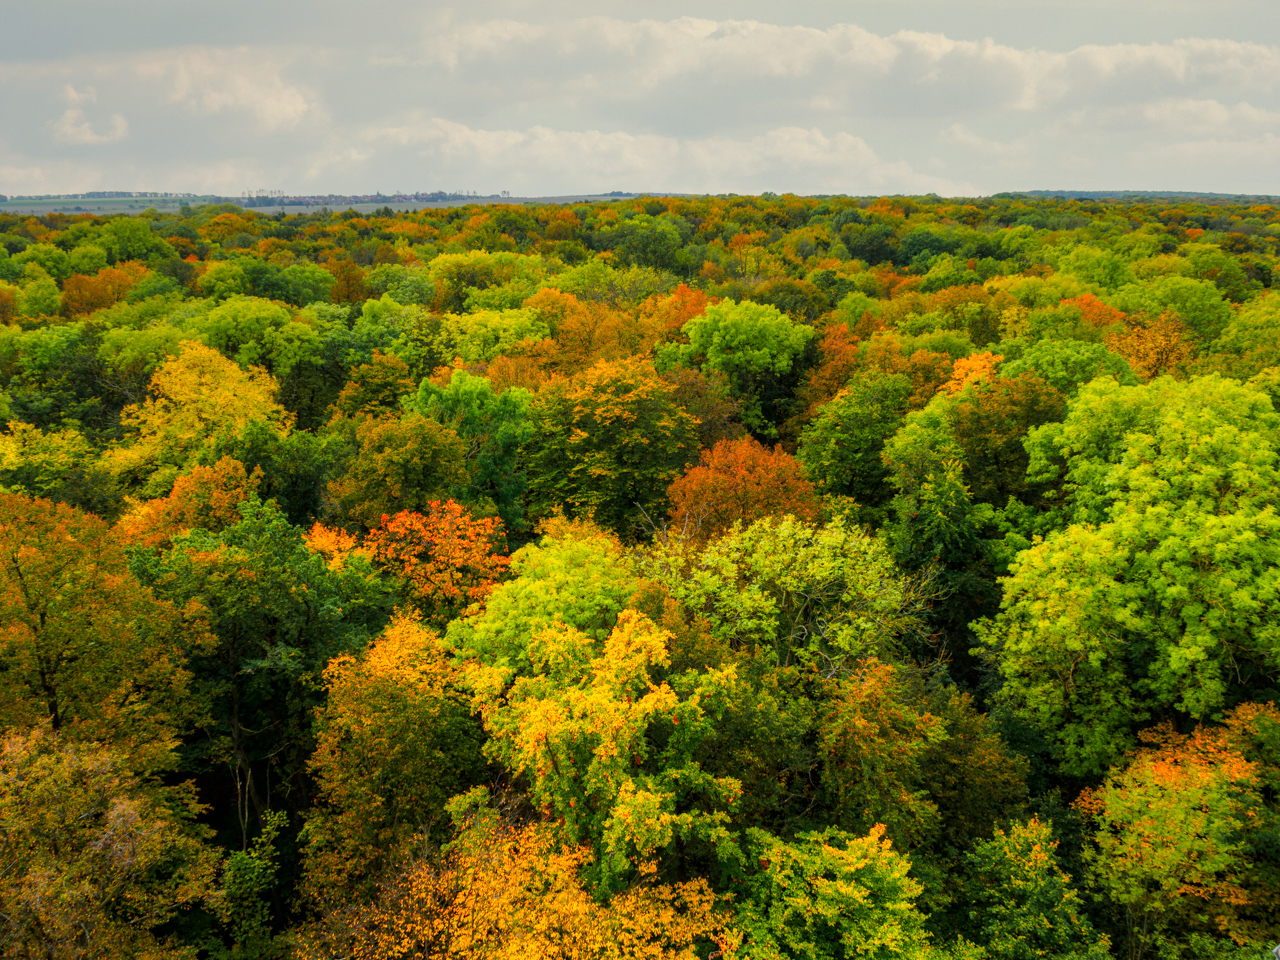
[[683, 577]]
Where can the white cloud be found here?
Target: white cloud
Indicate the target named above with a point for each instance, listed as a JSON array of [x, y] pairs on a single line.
[[212, 81], [534, 101], [784, 158], [87, 95], [73, 128]]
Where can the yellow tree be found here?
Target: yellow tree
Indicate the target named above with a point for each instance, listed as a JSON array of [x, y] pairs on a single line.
[[613, 754], [195, 397], [501, 892], [93, 860]]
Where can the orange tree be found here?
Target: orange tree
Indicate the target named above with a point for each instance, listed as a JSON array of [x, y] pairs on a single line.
[[740, 481], [446, 558], [506, 892], [1177, 834]]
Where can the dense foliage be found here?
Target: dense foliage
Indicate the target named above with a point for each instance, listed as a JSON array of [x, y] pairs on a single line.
[[758, 577]]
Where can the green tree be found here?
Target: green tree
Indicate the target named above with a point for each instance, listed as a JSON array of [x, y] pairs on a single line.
[[493, 426], [841, 447], [576, 575], [131, 238], [1067, 364], [823, 596], [830, 895], [401, 464], [756, 346], [278, 614], [610, 747], [1022, 905], [40, 298], [1168, 605], [48, 257], [607, 445]]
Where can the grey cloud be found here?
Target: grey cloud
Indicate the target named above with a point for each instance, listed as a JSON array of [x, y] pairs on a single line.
[[541, 104]]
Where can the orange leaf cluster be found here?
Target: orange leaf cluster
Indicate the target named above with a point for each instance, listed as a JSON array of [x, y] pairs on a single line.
[[334, 544], [741, 481], [975, 368], [83, 295], [206, 497], [502, 893], [1096, 313], [447, 557], [1154, 347]]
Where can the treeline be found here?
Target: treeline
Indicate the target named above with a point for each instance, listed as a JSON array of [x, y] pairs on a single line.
[[759, 577]]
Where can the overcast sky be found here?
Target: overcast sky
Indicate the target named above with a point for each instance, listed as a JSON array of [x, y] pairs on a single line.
[[957, 97]]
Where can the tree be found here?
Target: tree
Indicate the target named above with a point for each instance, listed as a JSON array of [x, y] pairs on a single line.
[[576, 576], [1066, 365], [841, 447], [402, 464], [1079, 452], [706, 399], [740, 481], [395, 740], [278, 614], [754, 345], [1171, 839], [611, 753], [83, 295], [828, 895], [207, 497], [447, 558], [990, 419], [824, 597], [95, 862], [1154, 347], [86, 648], [40, 298], [493, 426], [607, 445], [872, 743], [1023, 906], [506, 892], [1168, 604], [374, 389], [60, 465], [196, 397], [1247, 345], [131, 238]]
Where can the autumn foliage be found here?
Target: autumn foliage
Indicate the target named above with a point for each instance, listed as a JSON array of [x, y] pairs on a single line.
[[447, 558], [738, 481], [686, 577]]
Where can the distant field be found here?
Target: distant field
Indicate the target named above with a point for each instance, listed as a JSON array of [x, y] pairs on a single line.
[[104, 206], [134, 205]]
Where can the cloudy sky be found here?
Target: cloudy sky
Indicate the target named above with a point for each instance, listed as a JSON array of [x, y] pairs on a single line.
[[958, 97]]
